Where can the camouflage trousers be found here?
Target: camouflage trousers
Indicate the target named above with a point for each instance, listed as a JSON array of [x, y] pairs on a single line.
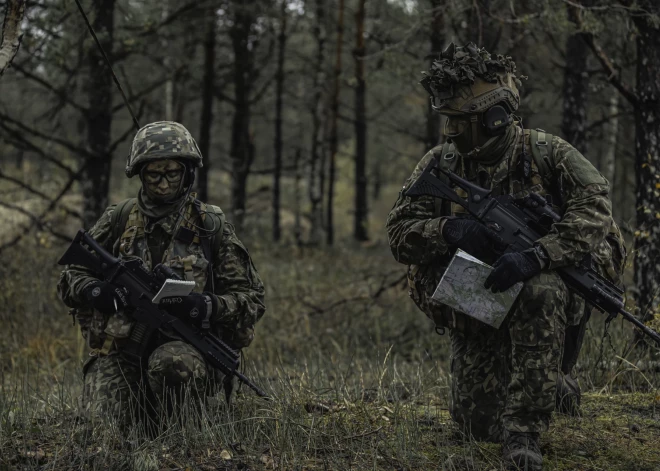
[[116, 388], [506, 379]]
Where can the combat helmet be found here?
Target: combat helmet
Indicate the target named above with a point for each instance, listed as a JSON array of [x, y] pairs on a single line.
[[162, 140], [468, 80]]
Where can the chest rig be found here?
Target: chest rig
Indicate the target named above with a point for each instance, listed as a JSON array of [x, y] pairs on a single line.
[[528, 174], [423, 279], [188, 252]]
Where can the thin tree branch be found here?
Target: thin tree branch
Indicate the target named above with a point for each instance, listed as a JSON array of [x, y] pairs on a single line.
[[36, 192], [129, 130], [64, 143], [613, 75], [39, 219], [59, 93], [20, 142]]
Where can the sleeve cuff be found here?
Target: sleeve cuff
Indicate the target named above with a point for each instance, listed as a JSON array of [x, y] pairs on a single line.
[[556, 255]]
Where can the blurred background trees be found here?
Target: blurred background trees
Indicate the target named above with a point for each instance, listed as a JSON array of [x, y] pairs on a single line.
[[308, 112]]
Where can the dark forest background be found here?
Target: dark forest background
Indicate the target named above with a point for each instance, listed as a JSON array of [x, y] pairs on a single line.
[[310, 117], [309, 113]]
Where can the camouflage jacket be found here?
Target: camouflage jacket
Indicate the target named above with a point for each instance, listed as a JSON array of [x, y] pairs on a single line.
[[236, 281], [581, 194]]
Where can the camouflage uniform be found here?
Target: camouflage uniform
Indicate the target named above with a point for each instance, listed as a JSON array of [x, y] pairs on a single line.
[[112, 385], [506, 379]]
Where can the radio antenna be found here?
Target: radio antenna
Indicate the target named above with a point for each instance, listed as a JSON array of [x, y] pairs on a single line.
[[107, 61]]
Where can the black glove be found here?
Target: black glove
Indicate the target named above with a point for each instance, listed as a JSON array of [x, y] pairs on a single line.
[[472, 237], [511, 268], [195, 309], [105, 297]]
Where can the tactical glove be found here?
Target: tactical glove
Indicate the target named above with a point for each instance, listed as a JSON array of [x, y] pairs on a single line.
[[105, 297], [195, 309], [511, 268], [472, 237]]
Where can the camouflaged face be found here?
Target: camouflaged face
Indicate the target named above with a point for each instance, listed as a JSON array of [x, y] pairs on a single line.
[[162, 140]]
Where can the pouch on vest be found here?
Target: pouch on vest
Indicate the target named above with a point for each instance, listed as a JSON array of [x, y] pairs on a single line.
[[423, 279]]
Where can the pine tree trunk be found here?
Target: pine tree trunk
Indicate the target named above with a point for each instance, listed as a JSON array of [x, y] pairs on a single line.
[[334, 138], [608, 160], [95, 177], [279, 91], [167, 65], [241, 145], [297, 222], [576, 83], [316, 167], [647, 151], [206, 119], [433, 119], [361, 205]]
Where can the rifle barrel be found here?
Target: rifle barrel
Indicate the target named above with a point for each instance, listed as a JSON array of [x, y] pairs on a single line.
[[640, 325]]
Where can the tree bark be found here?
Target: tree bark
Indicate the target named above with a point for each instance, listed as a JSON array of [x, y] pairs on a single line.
[[433, 118], [361, 204], [206, 119], [241, 146], [334, 117], [647, 165], [608, 159], [168, 104], [279, 91], [316, 161], [575, 88], [11, 32], [297, 221], [95, 176]]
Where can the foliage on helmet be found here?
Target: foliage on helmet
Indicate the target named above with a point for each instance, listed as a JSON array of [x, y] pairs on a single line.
[[162, 140], [461, 74]]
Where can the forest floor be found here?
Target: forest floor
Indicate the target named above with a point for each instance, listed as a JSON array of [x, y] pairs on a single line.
[[359, 380]]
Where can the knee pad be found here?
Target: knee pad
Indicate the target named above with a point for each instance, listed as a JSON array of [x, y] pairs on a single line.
[[175, 364]]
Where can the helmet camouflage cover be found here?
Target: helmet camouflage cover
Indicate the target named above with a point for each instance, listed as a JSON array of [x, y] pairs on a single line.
[[467, 79], [162, 140]]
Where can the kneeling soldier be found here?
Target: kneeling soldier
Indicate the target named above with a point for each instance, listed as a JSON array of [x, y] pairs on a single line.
[[164, 224], [504, 381]]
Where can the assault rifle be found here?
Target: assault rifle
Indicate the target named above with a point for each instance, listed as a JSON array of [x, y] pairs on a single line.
[[139, 287], [520, 223]]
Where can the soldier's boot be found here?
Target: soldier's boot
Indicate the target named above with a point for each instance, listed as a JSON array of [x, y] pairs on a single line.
[[521, 452], [568, 395]]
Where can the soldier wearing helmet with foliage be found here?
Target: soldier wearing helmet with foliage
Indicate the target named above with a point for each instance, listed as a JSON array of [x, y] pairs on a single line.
[[164, 224], [506, 382]]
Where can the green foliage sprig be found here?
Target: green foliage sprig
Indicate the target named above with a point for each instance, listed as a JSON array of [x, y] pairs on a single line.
[[459, 65]]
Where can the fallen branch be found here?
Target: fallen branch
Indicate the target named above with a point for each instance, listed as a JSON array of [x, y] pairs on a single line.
[[384, 286]]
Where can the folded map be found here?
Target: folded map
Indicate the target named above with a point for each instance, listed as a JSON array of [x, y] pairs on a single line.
[[462, 288]]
